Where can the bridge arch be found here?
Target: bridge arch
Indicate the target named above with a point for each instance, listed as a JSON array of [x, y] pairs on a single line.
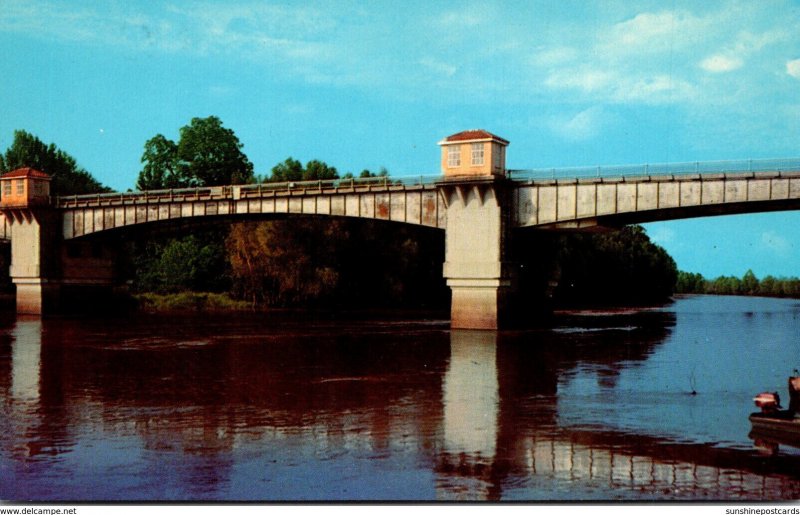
[[613, 202], [417, 204]]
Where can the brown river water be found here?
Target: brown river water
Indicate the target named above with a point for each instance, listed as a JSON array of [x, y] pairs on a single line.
[[262, 407]]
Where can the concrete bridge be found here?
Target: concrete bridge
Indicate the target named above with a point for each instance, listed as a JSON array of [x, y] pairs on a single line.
[[56, 243]]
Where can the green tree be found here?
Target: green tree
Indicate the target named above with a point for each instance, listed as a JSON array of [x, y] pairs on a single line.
[[68, 177], [207, 154], [749, 283], [317, 170], [211, 155], [195, 262], [690, 283], [365, 174], [160, 159], [767, 287], [289, 170], [619, 267], [292, 170]]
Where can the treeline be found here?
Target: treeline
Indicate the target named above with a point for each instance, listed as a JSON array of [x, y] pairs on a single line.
[[341, 262], [748, 284], [615, 268]]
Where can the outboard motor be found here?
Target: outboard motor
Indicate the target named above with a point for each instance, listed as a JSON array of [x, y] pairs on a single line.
[[769, 402], [794, 394]]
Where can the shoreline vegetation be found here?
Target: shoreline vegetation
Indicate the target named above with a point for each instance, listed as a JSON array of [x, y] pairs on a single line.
[[190, 301], [747, 285]]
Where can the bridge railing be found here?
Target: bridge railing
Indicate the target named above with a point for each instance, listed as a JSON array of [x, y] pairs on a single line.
[[649, 169], [244, 190]]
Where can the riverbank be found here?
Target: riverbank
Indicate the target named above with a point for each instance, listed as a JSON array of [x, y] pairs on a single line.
[[205, 302], [189, 301]]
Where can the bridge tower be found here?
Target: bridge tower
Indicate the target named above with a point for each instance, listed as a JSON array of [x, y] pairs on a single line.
[[478, 202], [25, 201], [50, 275]]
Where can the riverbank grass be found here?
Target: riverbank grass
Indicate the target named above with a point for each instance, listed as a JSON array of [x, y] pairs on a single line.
[[190, 301]]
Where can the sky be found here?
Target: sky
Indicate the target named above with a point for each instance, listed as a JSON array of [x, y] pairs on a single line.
[[376, 84]]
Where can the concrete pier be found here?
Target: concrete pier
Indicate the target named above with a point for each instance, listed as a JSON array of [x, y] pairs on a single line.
[[476, 266]]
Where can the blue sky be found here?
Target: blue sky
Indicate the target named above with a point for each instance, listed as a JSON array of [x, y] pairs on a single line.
[[370, 84]]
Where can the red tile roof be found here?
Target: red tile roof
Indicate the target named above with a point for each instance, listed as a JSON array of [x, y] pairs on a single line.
[[25, 172], [475, 134]]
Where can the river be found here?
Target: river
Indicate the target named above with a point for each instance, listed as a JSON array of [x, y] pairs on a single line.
[[261, 407]]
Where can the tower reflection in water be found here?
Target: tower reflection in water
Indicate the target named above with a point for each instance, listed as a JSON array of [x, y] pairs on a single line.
[[487, 395]]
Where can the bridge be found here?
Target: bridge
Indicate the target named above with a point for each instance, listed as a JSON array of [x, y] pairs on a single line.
[[57, 242]]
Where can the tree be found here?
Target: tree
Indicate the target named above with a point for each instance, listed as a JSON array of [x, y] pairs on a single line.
[[160, 165], [749, 283], [769, 286], [282, 263], [690, 283], [68, 177], [207, 154], [319, 171], [292, 170], [289, 170], [211, 155], [620, 267], [195, 262]]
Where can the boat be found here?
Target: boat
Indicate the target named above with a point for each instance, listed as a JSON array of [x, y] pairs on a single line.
[[773, 423]]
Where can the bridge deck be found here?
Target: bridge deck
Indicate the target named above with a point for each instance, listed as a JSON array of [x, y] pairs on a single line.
[[566, 198], [411, 201]]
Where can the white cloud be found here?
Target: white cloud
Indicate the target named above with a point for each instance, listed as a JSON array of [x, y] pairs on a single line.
[[439, 67], [721, 63], [793, 68], [614, 87], [775, 242], [586, 80], [553, 56], [664, 31], [582, 126]]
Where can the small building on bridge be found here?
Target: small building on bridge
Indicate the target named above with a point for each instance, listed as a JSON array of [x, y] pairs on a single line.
[[24, 187], [474, 152]]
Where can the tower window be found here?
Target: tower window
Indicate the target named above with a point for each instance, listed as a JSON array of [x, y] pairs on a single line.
[[477, 153], [454, 156], [498, 157]]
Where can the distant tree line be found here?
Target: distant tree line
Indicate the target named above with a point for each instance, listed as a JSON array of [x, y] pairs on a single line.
[[321, 261], [748, 284]]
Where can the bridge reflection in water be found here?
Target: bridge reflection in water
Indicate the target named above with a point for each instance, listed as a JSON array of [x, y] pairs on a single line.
[[456, 415], [597, 459]]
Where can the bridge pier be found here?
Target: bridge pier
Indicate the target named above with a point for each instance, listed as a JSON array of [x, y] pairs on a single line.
[[476, 256], [32, 265]]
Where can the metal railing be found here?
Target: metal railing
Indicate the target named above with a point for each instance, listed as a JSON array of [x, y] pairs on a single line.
[[651, 169], [246, 190]]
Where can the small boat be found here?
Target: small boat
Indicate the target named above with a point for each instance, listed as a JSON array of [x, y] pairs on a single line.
[[774, 422]]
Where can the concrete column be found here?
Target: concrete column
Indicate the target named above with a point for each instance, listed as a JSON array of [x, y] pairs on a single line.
[[476, 265], [34, 259]]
